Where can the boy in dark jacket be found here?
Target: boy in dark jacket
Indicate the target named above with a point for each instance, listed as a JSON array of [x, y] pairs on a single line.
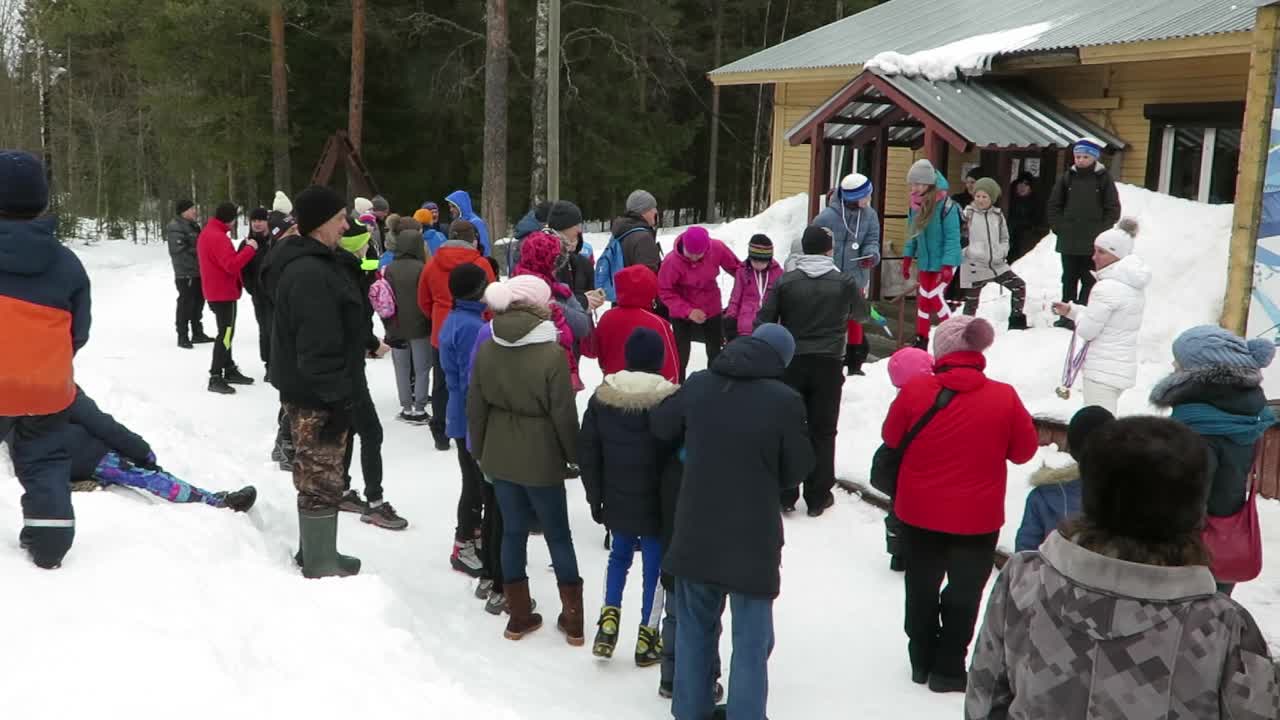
[[1057, 490], [622, 469], [1083, 204]]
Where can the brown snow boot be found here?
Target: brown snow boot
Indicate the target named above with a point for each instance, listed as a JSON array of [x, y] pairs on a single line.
[[570, 622], [523, 619]]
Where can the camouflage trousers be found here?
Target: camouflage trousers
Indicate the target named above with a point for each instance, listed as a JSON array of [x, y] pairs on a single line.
[[317, 462]]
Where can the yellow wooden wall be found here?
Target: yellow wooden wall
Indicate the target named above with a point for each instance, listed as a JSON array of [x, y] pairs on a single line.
[[792, 102]]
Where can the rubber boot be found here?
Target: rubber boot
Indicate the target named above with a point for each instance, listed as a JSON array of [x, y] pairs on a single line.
[[319, 535], [523, 620], [570, 621]]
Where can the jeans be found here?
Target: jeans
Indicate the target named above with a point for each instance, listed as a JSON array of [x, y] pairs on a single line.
[[521, 507], [819, 379], [1104, 396], [225, 313], [364, 422], [413, 373], [439, 395], [712, 332], [1077, 278], [42, 463], [190, 307], [471, 499], [940, 627], [699, 608], [115, 470], [620, 557], [670, 626]]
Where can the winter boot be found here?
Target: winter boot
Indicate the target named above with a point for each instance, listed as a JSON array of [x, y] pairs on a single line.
[[648, 647], [570, 620], [199, 338], [922, 343], [465, 559], [896, 564], [441, 440], [607, 635], [523, 619], [233, 376], [1065, 323], [319, 531], [184, 342], [383, 515], [667, 690], [946, 684], [1018, 321], [484, 589], [240, 500], [220, 386], [854, 356], [352, 503]]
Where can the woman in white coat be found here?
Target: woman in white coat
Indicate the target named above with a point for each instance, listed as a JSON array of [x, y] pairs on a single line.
[[1110, 323]]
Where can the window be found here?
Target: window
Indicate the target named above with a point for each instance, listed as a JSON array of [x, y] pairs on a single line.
[[1195, 150]]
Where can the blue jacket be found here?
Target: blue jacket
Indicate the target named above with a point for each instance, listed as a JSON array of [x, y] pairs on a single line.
[[91, 434], [855, 233], [434, 239], [457, 340], [1056, 496], [461, 199], [939, 245]]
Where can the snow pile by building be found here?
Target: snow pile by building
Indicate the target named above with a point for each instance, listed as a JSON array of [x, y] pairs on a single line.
[[970, 56]]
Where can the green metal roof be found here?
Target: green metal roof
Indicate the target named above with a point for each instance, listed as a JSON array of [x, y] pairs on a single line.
[[909, 26]]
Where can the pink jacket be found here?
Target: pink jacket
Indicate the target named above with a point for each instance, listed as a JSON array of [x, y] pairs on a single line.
[[749, 289], [685, 285]]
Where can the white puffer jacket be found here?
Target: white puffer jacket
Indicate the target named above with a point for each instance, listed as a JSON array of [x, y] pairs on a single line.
[[1111, 322]]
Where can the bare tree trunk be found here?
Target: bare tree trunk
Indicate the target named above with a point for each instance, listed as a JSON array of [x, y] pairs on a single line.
[[494, 188], [279, 101], [755, 137], [538, 175], [355, 120], [712, 172]]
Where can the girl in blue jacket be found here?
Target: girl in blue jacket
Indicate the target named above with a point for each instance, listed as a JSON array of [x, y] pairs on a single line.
[[933, 245]]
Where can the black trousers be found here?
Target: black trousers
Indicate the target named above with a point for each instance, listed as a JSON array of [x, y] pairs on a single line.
[[364, 422], [190, 307], [471, 498], [225, 314], [940, 626], [711, 332], [491, 530], [1077, 278], [819, 379], [439, 395], [262, 311]]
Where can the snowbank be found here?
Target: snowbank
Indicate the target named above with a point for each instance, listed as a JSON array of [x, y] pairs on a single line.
[[970, 56]]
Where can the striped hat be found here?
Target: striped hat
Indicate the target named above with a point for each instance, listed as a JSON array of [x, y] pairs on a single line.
[[854, 187], [1090, 146], [760, 248]]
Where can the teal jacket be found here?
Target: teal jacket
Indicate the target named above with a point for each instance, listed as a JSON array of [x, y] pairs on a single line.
[[939, 245]]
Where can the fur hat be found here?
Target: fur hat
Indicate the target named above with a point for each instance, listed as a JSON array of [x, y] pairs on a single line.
[[640, 202], [1119, 240], [694, 241], [564, 215], [854, 187], [908, 364], [523, 289], [465, 231], [816, 240], [1211, 346], [468, 282], [779, 338], [922, 173], [645, 351], [259, 213], [24, 191], [315, 206], [282, 204], [184, 205], [1083, 425], [1145, 478], [988, 186], [226, 212], [760, 248], [962, 333]]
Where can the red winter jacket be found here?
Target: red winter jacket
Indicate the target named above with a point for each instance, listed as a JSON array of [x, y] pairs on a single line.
[[434, 298], [637, 288], [220, 264], [953, 476]]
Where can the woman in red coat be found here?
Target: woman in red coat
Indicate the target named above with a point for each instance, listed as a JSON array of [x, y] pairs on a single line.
[[637, 288], [221, 267], [950, 494]]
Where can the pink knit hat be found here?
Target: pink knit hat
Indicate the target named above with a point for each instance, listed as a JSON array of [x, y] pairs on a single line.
[[524, 289], [962, 333], [908, 364], [695, 241]]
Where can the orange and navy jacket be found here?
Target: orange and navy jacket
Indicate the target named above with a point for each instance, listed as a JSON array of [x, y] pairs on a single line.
[[44, 318]]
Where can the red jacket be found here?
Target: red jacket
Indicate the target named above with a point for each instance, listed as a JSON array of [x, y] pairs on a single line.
[[637, 288], [434, 297], [220, 264], [953, 476]]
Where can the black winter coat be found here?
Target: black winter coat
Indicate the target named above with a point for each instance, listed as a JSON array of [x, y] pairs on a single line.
[[1082, 205], [640, 247], [816, 310], [622, 461], [251, 275], [746, 440], [91, 434], [578, 274], [319, 328], [180, 234]]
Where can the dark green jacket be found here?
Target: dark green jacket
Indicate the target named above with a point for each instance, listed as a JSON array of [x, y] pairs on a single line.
[[521, 414], [1082, 206]]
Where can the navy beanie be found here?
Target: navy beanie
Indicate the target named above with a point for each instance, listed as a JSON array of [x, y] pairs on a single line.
[[778, 338], [24, 191], [467, 282], [1083, 424], [645, 351]]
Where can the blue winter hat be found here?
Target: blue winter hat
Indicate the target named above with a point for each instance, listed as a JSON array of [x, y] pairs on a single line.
[[645, 351], [1090, 146], [854, 187], [1211, 346], [778, 338], [24, 192]]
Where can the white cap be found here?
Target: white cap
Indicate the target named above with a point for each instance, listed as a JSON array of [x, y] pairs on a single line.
[[362, 205], [282, 204], [1119, 240]]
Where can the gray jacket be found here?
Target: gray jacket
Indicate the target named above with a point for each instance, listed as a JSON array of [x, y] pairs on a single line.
[[181, 234], [987, 256], [855, 234], [1073, 635]]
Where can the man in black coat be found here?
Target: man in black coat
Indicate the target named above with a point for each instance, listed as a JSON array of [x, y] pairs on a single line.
[[318, 352], [1083, 204], [180, 235], [815, 302], [745, 440], [260, 232]]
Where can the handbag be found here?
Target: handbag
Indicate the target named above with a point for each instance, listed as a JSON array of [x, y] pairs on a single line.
[[1235, 541], [887, 462]]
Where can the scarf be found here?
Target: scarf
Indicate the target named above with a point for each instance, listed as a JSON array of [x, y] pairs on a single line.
[[1206, 419]]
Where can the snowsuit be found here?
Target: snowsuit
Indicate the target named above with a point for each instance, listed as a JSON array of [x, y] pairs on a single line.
[[986, 260], [462, 200], [684, 286], [1082, 205], [1070, 633], [45, 318], [409, 332], [220, 277], [637, 288], [934, 248], [951, 502], [855, 234], [180, 235], [1110, 323], [1055, 497], [457, 340], [749, 290], [623, 465]]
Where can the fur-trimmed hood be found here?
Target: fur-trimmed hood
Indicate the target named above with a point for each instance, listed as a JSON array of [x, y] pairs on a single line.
[[1186, 385], [634, 391], [1046, 475]]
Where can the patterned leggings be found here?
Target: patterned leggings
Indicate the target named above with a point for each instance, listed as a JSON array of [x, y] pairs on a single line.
[[115, 470], [1008, 280], [930, 300]]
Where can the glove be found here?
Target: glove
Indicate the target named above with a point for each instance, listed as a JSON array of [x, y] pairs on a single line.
[[150, 462], [572, 472], [335, 429], [948, 272], [906, 268], [868, 263], [597, 513]]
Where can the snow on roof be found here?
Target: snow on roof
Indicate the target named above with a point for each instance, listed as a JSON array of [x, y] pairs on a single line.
[[970, 56]]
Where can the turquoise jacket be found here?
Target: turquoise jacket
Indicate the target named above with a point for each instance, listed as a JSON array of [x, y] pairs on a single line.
[[939, 245]]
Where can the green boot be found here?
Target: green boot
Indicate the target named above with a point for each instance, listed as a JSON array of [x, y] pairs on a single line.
[[319, 539]]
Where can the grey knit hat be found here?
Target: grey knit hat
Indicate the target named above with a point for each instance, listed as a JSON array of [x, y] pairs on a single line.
[[380, 204], [1211, 346], [641, 201], [922, 173]]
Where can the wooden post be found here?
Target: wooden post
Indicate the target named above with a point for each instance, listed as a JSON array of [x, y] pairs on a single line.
[[1254, 145], [281, 170], [817, 182]]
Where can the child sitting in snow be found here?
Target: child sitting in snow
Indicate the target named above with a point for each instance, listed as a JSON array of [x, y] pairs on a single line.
[[1056, 493], [751, 283], [104, 453], [986, 258], [905, 365]]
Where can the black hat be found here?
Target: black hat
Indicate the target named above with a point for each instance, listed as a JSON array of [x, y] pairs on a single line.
[[465, 231], [259, 213], [563, 215], [1145, 478], [1083, 424], [975, 174], [315, 206], [816, 240], [24, 191], [542, 210], [227, 212], [645, 351], [280, 223], [467, 282], [184, 205]]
